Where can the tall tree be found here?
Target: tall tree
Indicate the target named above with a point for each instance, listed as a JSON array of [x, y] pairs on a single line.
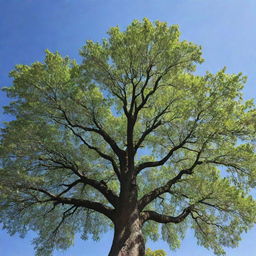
[[130, 139]]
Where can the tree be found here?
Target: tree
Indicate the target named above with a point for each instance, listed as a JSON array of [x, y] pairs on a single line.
[[130, 139]]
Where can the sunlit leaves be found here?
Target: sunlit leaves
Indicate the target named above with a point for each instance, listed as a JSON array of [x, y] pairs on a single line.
[[149, 252]]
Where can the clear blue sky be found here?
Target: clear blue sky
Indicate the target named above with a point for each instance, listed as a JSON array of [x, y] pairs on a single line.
[[224, 28]]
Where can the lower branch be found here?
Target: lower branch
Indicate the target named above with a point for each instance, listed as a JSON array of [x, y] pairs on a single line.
[[161, 218], [96, 206]]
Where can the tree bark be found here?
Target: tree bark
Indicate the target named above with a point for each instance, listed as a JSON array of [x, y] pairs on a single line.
[[128, 239]]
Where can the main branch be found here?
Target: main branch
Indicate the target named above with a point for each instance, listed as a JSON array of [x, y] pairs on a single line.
[[96, 206], [162, 218], [98, 185]]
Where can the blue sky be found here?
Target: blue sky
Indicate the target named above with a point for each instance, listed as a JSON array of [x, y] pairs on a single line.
[[224, 28]]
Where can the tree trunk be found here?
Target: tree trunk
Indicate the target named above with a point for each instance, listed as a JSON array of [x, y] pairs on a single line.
[[128, 239]]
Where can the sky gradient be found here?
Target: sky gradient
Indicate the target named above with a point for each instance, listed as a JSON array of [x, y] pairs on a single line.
[[224, 28]]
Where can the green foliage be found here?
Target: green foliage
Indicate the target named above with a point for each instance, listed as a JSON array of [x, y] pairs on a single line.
[[149, 252], [60, 105]]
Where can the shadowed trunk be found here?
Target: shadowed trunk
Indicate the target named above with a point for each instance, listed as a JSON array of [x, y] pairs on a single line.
[[128, 239]]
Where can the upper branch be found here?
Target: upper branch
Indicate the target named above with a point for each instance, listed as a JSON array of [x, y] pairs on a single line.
[[119, 152], [156, 123], [146, 133], [170, 153], [145, 98], [114, 84], [146, 199], [202, 201], [100, 153], [164, 159]]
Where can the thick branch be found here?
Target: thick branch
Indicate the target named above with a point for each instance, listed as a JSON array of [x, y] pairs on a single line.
[[98, 185], [96, 206], [103, 188], [164, 159], [161, 218]]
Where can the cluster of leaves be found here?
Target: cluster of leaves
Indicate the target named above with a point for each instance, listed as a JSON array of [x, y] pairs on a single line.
[[149, 252]]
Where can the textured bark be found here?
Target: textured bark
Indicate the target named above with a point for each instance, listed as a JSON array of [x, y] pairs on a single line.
[[128, 239]]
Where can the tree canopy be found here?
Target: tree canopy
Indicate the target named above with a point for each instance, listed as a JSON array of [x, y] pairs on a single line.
[[132, 135]]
